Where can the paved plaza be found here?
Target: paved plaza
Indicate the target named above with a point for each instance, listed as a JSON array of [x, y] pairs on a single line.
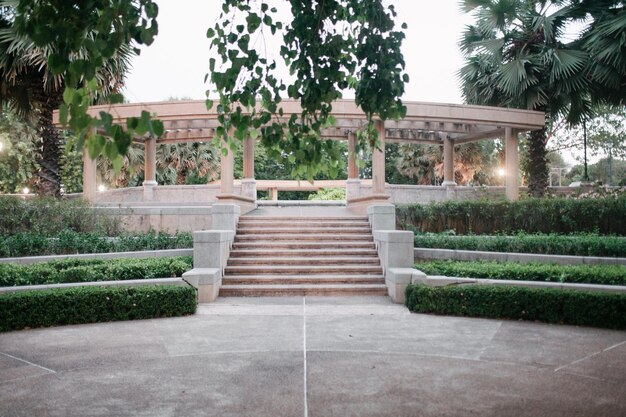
[[313, 356]]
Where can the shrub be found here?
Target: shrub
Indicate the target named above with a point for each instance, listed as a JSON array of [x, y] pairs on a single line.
[[588, 274], [89, 270], [532, 215], [48, 217], [548, 305], [69, 241], [579, 245], [24, 309]]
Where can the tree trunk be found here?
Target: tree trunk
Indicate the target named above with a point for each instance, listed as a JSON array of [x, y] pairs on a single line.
[[49, 182], [537, 163]]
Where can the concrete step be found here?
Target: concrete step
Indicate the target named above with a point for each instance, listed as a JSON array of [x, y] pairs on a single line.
[[302, 231], [306, 224], [263, 262], [305, 218], [295, 244], [301, 279], [279, 253], [301, 237], [302, 269], [301, 290]]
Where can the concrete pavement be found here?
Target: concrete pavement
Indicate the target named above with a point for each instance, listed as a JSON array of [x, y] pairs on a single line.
[[313, 356]]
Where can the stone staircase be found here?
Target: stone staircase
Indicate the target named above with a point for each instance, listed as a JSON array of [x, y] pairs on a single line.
[[274, 255]]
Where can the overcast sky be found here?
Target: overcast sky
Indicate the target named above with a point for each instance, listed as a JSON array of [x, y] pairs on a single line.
[[175, 64]]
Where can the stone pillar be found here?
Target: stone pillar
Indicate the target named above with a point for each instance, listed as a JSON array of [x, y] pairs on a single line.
[[378, 161], [448, 162], [395, 249], [248, 183], [272, 194], [89, 176], [511, 153], [149, 169], [353, 184], [227, 172]]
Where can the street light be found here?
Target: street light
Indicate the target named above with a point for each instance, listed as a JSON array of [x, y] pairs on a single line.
[[102, 188], [501, 172]]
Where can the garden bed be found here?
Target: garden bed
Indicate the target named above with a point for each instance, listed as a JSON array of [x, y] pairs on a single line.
[[89, 270], [545, 244], [582, 274], [547, 305]]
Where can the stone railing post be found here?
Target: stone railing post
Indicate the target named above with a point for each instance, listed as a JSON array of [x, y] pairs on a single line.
[[382, 217], [210, 253], [225, 216], [395, 249]]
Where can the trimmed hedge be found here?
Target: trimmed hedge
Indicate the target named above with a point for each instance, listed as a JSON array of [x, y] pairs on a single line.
[[577, 245], [532, 215], [587, 274], [548, 305], [28, 309], [70, 242], [88, 270]]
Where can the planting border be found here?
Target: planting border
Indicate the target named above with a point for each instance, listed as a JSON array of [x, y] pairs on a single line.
[[162, 253], [422, 254]]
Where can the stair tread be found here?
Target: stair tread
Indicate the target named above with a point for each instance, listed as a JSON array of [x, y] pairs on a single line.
[[281, 286], [301, 276], [304, 218]]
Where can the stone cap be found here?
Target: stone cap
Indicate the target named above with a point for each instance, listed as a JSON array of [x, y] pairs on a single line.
[[213, 236], [396, 236], [225, 208], [382, 209]]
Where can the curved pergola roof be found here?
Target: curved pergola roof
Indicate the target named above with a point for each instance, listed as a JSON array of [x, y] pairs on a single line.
[[425, 123]]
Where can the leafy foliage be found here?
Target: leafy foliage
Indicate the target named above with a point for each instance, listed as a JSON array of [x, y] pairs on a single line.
[[329, 194], [581, 274], [577, 245], [28, 309], [90, 270], [532, 215], [548, 305], [71, 242], [325, 45]]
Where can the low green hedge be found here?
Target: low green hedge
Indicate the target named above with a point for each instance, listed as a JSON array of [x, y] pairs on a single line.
[[548, 305], [87, 270], [28, 309], [588, 274], [577, 245], [70, 242], [606, 216]]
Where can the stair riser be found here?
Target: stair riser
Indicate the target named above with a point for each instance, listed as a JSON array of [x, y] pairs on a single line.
[[324, 270], [305, 237], [250, 253], [259, 225], [232, 280], [299, 232], [301, 262], [252, 292], [302, 246], [303, 219]]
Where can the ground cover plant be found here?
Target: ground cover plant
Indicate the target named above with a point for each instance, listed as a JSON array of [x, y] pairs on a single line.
[[27, 309], [88, 270], [606, 216], [588, 274], [548, 305], [578, 245]]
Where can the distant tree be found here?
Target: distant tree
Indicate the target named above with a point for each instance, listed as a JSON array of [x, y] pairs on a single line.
[[516, 57]]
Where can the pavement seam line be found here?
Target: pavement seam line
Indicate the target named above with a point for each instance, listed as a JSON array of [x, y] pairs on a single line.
[[590, 356], [30, 363], [306, 405]]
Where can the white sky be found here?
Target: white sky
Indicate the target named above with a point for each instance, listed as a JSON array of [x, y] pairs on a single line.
[[175, 64]]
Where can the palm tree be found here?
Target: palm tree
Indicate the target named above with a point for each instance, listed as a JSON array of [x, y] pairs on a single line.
[[128, 175], [516, 57], [30, 88], [176, 161]]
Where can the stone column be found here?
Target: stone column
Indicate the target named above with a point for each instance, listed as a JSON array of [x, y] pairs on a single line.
[[378, 161], [227, 173], [511, 156], [448, 162], [353, 184], [89, 176], [149, 169], [248, 183]]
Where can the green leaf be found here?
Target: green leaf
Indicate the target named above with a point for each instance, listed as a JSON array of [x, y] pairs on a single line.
[[68, 95], [210, 33]]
